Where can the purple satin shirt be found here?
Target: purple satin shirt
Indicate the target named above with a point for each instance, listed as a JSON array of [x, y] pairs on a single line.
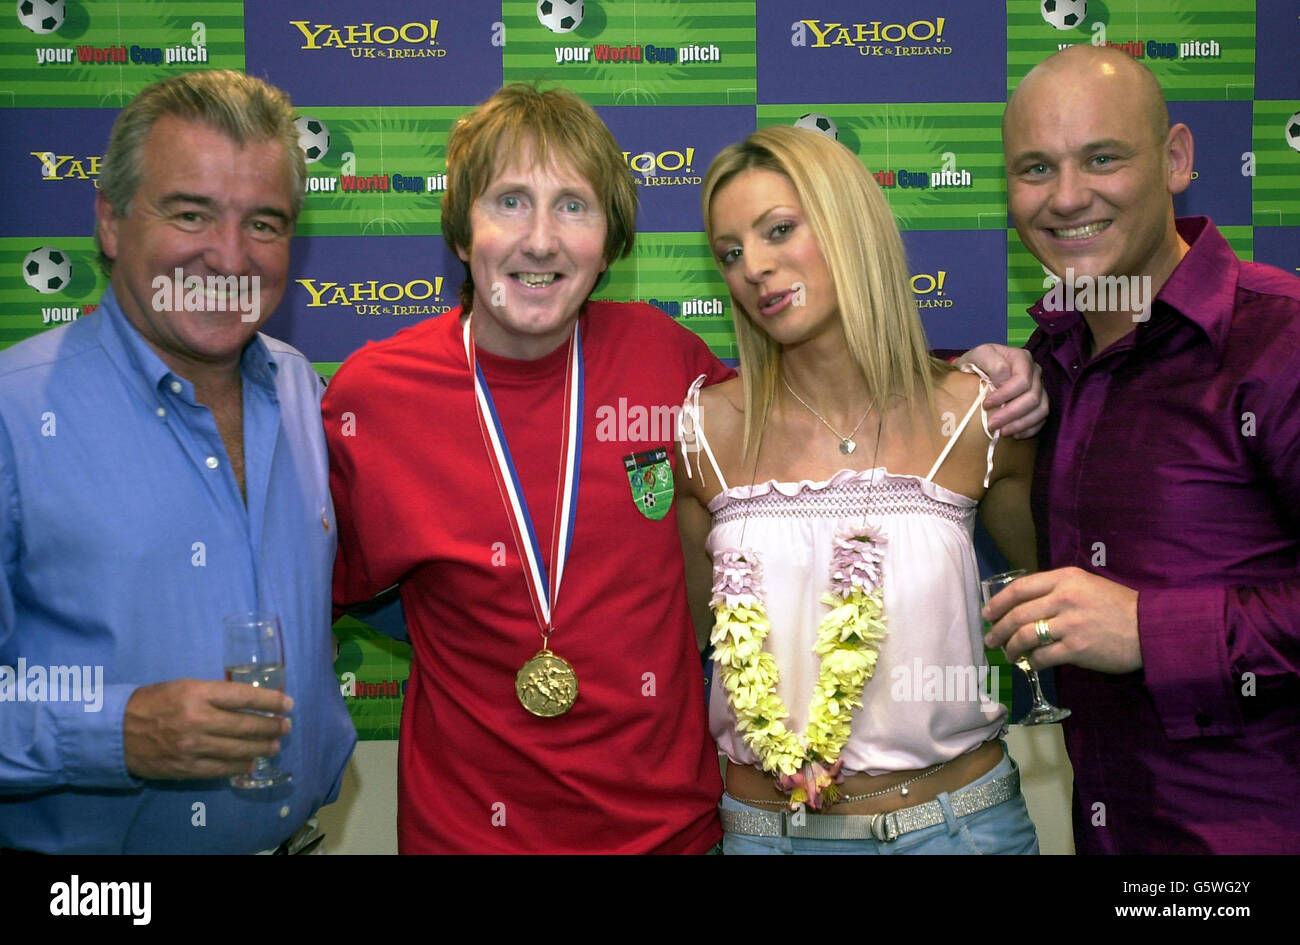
[[1171, 464]]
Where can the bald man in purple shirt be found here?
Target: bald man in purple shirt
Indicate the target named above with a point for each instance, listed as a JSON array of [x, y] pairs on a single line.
[[1168, 478]]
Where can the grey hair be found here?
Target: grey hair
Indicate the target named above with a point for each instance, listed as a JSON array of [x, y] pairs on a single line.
[[239, 106]]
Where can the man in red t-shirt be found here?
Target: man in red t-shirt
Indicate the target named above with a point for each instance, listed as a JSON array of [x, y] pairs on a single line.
[[510, 466]]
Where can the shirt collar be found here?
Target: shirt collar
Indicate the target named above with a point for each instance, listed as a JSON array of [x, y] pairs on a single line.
[[129, 349], [257, 365], [1201, 287]]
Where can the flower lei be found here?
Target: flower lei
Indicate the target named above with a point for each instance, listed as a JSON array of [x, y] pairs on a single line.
[[848, 642]]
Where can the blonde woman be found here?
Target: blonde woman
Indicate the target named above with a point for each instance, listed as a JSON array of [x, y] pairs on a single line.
[[831, 495]]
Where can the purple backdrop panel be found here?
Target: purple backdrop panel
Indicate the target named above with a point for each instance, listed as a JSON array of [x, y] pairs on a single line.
[[959, 278], [669, 149], [346, 290], [376, 52], [1279, 246], [49, 162], [1221, 131], [1277, 38], [884, 51]]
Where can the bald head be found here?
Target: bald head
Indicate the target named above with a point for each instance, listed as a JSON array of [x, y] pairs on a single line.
[[1105, 69], [1093, 166]]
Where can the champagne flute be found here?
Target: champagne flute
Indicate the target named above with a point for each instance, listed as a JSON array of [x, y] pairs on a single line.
[[1041, 712], [255, 656]]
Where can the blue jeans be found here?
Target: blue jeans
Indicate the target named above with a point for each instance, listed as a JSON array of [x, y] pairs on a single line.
[[1001, 829]]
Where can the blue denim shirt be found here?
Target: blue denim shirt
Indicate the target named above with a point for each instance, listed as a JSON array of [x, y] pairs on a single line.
[[125, 541]]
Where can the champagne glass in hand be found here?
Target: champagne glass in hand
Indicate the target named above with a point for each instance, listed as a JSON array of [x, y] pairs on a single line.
[[255, 656], [1041, 712]]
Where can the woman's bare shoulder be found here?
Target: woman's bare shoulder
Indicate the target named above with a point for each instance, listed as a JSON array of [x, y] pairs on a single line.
[[722, 418], [956, 390], [963, 470], [721, 401]]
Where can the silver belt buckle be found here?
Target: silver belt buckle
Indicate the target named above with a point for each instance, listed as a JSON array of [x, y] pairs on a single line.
[[884, 827]]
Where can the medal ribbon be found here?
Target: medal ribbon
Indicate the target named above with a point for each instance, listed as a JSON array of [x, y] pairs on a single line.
[[543, 581]]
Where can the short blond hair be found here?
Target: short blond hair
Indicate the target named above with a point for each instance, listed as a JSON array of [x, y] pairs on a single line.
[[557, 126], [860, 242]]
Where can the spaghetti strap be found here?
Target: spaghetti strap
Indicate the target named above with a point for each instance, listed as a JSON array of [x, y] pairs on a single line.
[[693, 439], [985, 387]]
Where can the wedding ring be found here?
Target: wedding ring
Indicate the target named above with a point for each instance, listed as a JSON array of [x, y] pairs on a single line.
[[1044, 633]]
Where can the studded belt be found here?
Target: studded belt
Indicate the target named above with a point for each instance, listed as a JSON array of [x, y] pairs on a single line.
[[882, 827]]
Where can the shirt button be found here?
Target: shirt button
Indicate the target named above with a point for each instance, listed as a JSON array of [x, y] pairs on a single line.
[[1203, 720], [284, 811], [161, 411], [211, 462], [176, 387]]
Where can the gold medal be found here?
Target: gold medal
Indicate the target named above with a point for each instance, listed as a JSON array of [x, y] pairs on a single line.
[[546, 685]]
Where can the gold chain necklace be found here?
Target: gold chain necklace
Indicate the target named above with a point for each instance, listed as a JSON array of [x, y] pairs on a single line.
[[847, 443]]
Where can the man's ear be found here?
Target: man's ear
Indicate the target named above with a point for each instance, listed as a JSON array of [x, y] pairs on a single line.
[[1181, 153], [106, 222]]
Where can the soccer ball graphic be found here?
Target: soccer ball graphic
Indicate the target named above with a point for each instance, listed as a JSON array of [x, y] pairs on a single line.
[[560, 16], [1065, 14], [47, 270], [816, 122], [41, 16], [313, 138], [1293, 131]]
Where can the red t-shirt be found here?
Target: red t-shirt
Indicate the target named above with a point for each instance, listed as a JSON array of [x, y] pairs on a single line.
[[630, 768]]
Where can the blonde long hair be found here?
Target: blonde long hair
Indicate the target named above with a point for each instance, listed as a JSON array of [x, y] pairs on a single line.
[[859, 240]]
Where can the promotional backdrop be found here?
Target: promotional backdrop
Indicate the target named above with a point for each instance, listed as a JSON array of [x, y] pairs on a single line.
[[915, 89]]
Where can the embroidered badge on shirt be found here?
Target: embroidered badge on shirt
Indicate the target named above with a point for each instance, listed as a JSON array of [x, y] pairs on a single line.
[[651, 477]]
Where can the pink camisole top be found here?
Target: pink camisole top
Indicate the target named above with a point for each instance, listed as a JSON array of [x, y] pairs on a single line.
[[929, 699]]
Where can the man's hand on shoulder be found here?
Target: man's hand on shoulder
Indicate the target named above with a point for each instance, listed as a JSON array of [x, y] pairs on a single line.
[[1092, 621], [1018, 396], [201, 728]]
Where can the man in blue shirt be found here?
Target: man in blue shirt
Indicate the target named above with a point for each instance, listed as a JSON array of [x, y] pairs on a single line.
[[162, 465]]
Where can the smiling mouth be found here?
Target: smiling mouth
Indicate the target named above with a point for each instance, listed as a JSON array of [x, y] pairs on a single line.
[[1079, 232], [536, 280]]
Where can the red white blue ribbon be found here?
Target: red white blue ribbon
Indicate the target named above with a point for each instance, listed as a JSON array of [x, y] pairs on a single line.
[[543, 577]]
